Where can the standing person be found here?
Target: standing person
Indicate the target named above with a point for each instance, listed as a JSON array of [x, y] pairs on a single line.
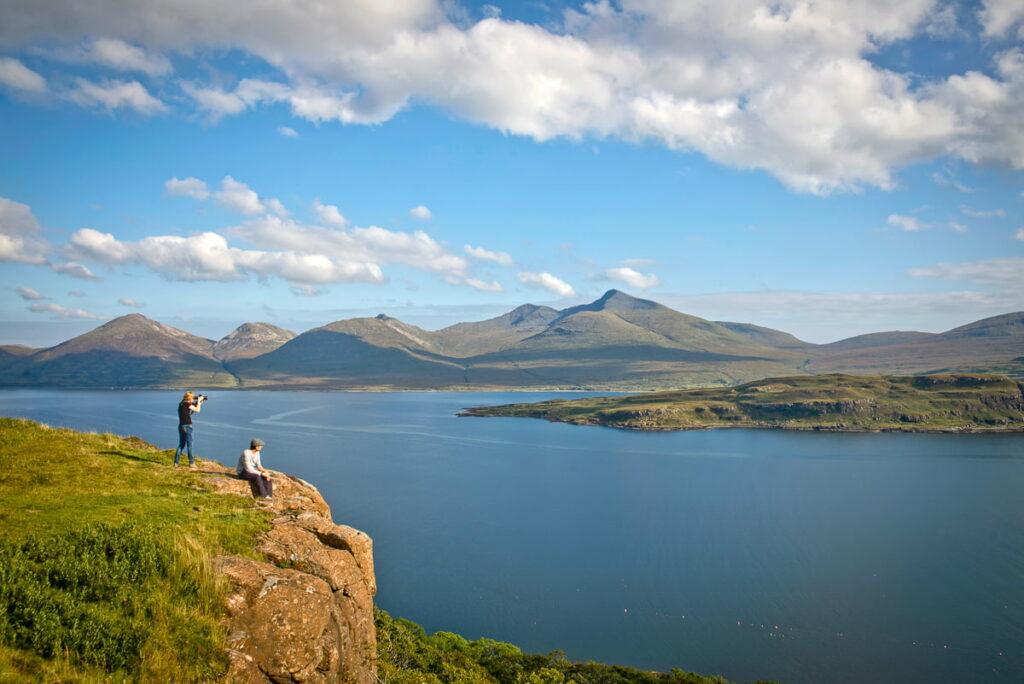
[[249, 468], [186, 408]]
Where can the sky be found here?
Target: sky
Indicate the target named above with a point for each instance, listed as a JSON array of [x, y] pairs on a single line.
[[826, 168]]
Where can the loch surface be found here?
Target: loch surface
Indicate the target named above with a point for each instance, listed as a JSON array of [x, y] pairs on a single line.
[[800, 557]]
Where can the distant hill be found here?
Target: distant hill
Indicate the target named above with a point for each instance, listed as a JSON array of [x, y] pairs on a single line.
[[951, 402], [616, 342], [249, 340], [130, 351], [766, 336]]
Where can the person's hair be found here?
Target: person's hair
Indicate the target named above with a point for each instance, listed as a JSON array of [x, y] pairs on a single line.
[[255, 443], [188, 396]]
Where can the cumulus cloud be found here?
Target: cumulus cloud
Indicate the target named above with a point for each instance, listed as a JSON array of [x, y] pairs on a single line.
[[63, 313], [421, 212], [787, 87], [288, 132], [207, 256], [907, 223], [19, 231], [999, 17], [187, 187], [29, 294], [631, 277], [239, 197], [500, 258], [130, 303], [373, 244], [112, 95], [958, 227], [1019, 235], [547, 282], [329, 215], [75, 270], [17, 76]]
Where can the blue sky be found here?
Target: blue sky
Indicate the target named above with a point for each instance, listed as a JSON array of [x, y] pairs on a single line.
[[822, 168]]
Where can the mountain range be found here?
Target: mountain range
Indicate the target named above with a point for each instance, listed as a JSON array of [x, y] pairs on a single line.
[[617, 342]]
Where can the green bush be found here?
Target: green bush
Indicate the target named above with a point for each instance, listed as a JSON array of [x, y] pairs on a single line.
[[109, 597]]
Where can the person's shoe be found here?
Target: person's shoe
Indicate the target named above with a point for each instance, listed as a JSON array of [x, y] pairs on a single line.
[[192, 466]]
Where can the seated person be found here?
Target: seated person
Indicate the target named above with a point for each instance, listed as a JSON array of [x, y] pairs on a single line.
[[250, 468]]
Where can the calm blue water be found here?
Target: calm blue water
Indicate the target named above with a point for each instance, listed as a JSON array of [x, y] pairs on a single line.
[[800, 557]]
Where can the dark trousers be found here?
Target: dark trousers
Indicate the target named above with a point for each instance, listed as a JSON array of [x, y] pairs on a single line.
[[261, 486], [184, 444]]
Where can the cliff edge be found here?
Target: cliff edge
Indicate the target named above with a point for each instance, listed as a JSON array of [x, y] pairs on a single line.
[[307, 614]]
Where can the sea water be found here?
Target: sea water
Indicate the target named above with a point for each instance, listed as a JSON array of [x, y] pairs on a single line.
[[795, 556]]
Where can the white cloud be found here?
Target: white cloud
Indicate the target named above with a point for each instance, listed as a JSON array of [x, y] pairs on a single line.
[[978, 213], [373, 244], [123, 56], [288, 132], [77, 293], [483, 286], [75, 270], [421, 212], [17, 76], [1005, 272], [207, 256], [631, 277], [239, 197], [63, 313], [18, 234], [187, 187], [1019, 235], [907, 223], [787, 87], [958, 227], [329, 215], [113, 94], [998, 17], [546, 281], [482, 254], [130, 303], [29, 294]]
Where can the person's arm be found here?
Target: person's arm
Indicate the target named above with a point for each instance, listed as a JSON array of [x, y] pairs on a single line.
[[259, 466], [195, 408]]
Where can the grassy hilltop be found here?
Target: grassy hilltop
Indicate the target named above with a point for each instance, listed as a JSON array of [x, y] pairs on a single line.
[[953, 402], [105, 576]]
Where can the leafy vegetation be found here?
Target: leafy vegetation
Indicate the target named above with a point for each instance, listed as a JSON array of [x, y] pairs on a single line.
[[946, 402], [104, 560], [407, 655]]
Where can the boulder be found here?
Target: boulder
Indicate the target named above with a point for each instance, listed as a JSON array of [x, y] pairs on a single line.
[[306, 613]]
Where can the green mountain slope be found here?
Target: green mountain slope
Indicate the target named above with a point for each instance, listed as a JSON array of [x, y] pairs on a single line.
[[945, 402]]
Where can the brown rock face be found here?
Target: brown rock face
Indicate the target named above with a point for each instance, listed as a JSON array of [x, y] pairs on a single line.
[[307, 615]]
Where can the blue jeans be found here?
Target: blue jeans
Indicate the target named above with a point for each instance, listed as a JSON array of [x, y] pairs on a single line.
[[184, 442]]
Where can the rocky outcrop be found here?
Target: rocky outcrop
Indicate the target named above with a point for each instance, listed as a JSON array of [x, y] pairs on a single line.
[[306, 613]]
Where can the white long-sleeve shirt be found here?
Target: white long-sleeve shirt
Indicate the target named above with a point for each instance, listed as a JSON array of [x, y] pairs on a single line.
[[249, 462]]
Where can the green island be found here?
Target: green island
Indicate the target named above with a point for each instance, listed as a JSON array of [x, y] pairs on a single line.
[[944, 402], [107, 575]]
